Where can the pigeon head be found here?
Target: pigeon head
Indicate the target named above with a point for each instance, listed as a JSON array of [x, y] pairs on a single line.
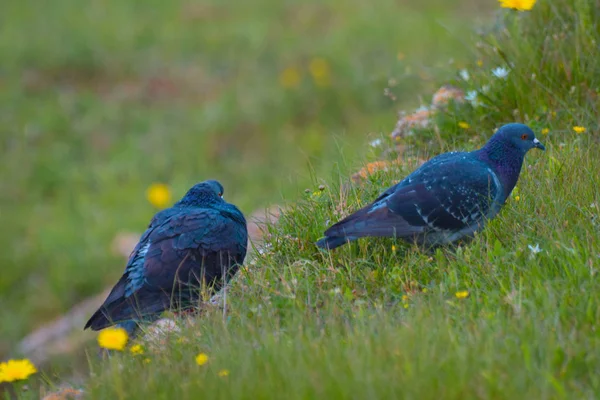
[[506, 150], [519, 137], [203, 193]]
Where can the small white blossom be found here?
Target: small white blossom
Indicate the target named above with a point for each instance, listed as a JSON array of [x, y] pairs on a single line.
[[500, 72], [376, 143], [535, 249], [471, 96], [464, 74], [336, 290], [485, 88]]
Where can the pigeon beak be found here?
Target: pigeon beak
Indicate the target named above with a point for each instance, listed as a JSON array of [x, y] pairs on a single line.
[[538, 145]]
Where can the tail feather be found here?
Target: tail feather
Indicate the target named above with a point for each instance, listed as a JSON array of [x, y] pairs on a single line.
[[331, 242], [125, 311], [369, 221]]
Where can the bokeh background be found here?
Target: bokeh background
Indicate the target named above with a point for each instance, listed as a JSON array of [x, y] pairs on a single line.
[[102, 98]]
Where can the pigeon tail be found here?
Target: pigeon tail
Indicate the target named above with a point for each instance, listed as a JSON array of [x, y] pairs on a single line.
[[331, 242], [124, 315]]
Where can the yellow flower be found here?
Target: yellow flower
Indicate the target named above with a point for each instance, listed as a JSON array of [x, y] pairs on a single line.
[[578, 129], [463, 294], [463, 125], [290, 78], [113, 338], [136, 349], [147, 360], [394, 247], [201, 359], [480, 63], [320, 71], [521, 5], [404, 298], [16, 370], [159, 195], [223, 373], [517, 198], [545, 131]]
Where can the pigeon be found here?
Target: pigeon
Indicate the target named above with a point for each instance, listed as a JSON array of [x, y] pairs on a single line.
[[448, 198], [201, 240]]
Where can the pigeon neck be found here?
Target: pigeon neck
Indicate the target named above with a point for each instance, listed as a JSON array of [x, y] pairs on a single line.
[[505, 160], [198, 200]]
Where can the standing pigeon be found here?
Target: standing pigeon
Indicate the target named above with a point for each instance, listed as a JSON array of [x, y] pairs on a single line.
[[449, 197], [200, 240]]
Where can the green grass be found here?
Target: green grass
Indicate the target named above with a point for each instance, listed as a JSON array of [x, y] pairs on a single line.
[[100, 99], [370, 322], [379, 319]]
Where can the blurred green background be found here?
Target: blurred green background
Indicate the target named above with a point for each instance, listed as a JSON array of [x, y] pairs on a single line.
[[102, 98]]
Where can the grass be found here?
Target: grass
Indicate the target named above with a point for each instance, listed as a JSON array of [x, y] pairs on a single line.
[[379, 319], [101, 99], [371, 321]]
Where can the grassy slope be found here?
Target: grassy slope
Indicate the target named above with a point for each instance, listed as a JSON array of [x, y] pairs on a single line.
[[102, 98], [381, 320], [302, 324], [376, 321]]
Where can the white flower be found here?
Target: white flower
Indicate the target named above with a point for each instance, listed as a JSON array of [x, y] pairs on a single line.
[[500, 72], [534, 249], [464, 74], [471, 96], [421, 109], [485, 88], [376, 143]]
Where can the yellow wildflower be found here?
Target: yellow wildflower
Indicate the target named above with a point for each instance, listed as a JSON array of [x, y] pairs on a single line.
[[521, 5], [545, 131], [159, 195], [463, 294], [147, 360], [320, 71], [16, 370], [201, 359], [290, 78], [517, 198], [463, 125], [223, 373], [404, 298], [393, 247], [136, 349], [480, 63], [113, 338], [578, 129]]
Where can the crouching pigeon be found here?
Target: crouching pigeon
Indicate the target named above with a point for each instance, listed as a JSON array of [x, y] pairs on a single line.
[[200, 241], [449, 197]]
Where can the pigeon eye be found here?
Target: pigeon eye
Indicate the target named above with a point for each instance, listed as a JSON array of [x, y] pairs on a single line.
[[524, 136], [220, 194]]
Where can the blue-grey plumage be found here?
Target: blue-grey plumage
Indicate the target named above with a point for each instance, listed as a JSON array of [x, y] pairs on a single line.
[[201, 240], [448, 198]]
